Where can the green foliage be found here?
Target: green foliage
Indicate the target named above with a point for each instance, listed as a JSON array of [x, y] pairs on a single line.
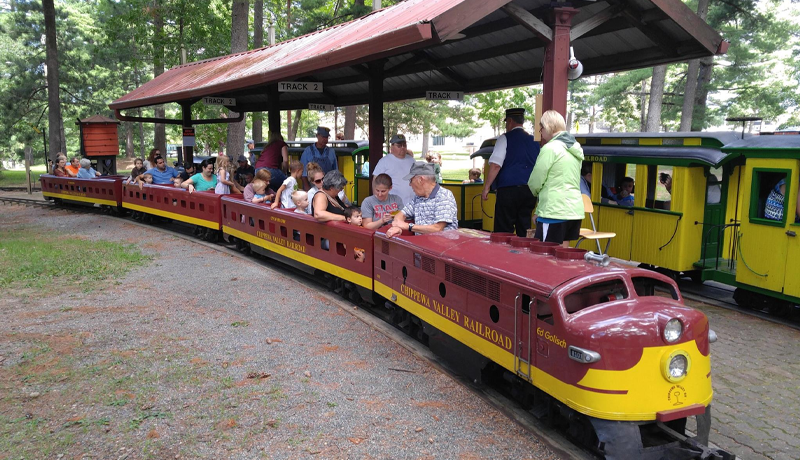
[[492, 105]]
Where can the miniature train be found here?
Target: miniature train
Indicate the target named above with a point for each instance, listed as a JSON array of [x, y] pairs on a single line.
[[610, 353]]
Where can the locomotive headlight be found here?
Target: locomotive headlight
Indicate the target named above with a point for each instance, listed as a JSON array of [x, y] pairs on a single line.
[[675, 365], [673, 330]]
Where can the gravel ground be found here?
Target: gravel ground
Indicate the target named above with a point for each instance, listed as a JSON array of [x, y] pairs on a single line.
[[199, 354]]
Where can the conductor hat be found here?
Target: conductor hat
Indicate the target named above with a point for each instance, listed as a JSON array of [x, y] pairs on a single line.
[[323, 131], [517, 113]]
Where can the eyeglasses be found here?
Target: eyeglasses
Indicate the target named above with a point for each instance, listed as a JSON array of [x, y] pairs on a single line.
[[318, 181]]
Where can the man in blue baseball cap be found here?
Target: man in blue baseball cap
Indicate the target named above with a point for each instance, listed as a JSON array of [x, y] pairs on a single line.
[[319, 153]]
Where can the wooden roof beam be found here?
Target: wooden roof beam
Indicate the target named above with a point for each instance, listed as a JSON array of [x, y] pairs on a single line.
[[444, 70], [528, 21], [580, 29]]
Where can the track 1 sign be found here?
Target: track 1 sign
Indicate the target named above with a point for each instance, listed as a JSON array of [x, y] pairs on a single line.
[[299, 87], [219, 101], [444, 95], [321, 107]]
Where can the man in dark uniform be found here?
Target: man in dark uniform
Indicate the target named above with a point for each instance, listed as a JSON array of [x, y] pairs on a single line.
[[510, 166]]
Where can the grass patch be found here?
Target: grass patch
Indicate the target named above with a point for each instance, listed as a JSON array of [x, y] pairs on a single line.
[[32, 259], [16, 177]]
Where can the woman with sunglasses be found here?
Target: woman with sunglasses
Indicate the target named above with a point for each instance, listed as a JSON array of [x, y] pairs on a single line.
[[327, 206], [315, 175], [202, 181]]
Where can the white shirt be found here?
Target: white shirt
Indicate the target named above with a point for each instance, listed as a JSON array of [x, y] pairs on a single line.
[[286, 195], [499, 152], [397, 169]]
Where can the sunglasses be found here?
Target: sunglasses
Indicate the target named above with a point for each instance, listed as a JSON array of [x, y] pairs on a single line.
[[318, 181]]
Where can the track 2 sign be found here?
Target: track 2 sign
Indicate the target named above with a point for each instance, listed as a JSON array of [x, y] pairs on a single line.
[[299, 87]]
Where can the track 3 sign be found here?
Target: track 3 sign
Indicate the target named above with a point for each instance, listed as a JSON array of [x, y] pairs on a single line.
[[299, 87], [444, 95]]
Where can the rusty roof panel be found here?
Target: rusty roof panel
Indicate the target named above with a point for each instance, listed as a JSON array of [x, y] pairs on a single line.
[[467, 45]]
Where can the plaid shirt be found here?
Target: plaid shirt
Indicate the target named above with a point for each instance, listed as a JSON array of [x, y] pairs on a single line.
[[440, 206]]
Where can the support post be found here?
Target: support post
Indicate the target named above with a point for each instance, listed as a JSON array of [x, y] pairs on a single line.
[[186, 116], [376, 134], [274, 110], [556, 61]]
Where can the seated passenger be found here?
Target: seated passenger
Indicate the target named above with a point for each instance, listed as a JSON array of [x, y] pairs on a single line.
[[259, 191], [203, 181], [625, 195], [86, 171], [244, 173], [262, 174], [58, 169], [586, 179], [138, 170], [300, 200], [436, 160], [433, 208], [327, 206], [289, 186], [365, 169], [666, 180], [147, 178], [188, 171], [352, 215], [474, 176], [73, 167], [380, 208], [773, 208], [163, 174]]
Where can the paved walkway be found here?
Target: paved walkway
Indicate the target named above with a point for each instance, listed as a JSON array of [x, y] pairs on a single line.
[[756, 380]]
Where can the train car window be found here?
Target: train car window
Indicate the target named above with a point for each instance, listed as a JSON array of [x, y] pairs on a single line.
[[526, 304], [295, 234], [341, 249], [284, 231], [324, 244], [202, 207], [544, 312], [645, 286], [233, 216], [253, 224], [271, 227], [659, 187], [309, 239], [767, 196], [191, 205], [613, 175], [595, 294], [261, 224], [714, 186]]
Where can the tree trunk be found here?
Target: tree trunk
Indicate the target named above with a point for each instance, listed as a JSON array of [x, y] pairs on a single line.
[[703, 79], [160, 132], [350, 122], [258, 42], [128, 139], [656, 96], [690, 90], [296, 125], [643, 107], [425, 145], [592, 118], [55, 140], [239, 20]]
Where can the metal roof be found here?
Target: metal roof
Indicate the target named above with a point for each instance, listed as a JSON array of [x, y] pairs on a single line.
[[456, 45], [780, 142]]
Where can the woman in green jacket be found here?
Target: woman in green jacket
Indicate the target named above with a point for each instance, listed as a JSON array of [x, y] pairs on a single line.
[[556, 179]]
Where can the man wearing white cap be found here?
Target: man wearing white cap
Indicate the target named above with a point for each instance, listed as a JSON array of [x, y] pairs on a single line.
[[433, 207], [397, 164], [319, 153]]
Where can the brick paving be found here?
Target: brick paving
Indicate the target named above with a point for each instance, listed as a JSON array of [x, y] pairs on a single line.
[[755, 369]]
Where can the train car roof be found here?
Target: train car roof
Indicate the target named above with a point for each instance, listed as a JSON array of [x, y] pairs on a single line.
[[680, 149], [468, 247], [770, 142]]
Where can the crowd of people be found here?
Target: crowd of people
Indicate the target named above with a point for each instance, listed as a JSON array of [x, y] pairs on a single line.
[[520, 170]]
